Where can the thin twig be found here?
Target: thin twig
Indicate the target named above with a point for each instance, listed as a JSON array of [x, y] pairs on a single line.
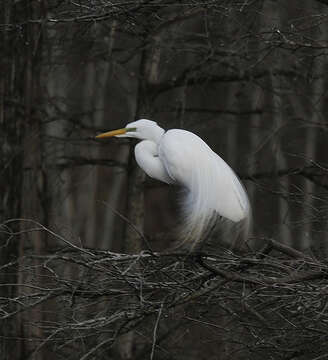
[[155, 332]]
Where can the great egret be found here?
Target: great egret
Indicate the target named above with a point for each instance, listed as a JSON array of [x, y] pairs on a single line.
[[180, 157]]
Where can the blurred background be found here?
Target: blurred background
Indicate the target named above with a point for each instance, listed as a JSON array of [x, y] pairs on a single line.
[[249, 77]]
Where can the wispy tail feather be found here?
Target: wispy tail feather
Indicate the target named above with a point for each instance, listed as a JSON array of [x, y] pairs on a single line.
[[204, 203]]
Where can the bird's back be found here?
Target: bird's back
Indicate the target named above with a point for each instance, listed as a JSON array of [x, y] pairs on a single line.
[[213, 187]]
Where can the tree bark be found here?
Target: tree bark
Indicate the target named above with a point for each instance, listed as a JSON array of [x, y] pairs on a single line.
[[11, 173], [136, 176], [148, 73], [35, 200]]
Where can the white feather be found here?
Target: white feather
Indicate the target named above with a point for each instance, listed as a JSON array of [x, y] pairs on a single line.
[[146, 153], [213, 187]]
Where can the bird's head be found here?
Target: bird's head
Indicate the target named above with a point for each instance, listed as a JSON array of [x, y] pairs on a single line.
[[142, 129]]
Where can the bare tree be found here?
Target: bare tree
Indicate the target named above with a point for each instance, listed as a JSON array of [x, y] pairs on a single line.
[[249, 77]]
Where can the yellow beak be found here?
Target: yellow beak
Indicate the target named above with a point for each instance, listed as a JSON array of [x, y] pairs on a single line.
[[111, 133]]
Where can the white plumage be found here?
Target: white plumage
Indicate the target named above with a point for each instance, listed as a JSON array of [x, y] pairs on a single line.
[[183, 158]]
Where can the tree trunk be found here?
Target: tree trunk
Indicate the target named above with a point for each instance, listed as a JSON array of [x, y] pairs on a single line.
[[11, 174], [148, 74], [136, 176], [35, 201]]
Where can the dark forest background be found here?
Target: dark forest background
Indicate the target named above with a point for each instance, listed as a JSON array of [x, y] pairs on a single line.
[[250, 78]]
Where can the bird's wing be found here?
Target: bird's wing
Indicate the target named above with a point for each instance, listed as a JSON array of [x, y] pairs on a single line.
[[212, 184]]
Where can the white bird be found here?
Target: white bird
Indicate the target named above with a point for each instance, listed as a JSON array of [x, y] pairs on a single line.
[[180, 157]]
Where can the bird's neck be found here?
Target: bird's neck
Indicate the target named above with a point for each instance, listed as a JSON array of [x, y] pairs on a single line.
[[156, 134]]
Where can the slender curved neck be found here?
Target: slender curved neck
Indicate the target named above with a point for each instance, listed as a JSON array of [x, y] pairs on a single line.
[[156, 134]]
